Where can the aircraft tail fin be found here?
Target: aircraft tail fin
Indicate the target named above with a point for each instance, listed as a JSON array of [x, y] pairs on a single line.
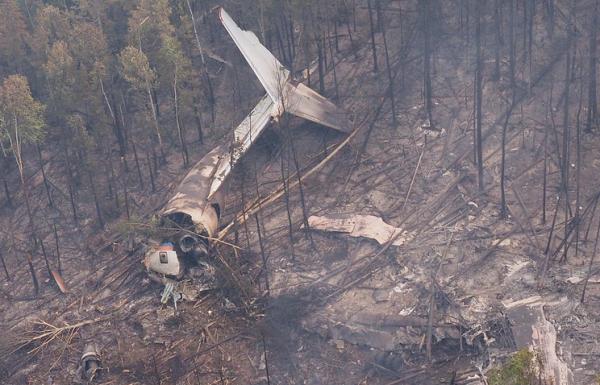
[[296, 99]]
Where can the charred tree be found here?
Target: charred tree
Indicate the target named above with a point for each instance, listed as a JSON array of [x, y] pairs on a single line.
[[59, 264], [388, 68], [7, 192], [512, 56], [478, 99], [372, 30], [137, 165], [497, 39], [425, 26], [4, 267], [592, 102], [45, 179], [566, 130]]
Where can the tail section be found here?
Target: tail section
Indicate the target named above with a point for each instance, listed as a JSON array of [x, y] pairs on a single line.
[[296, 99]]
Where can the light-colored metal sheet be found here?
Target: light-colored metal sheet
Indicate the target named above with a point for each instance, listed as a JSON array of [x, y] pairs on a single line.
[[308, 104], [243, 137], [367, 226], [272, 74]]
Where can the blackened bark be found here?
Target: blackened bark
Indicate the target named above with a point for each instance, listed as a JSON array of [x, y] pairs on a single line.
[[503, 207], [373, 45], [96, 202], [512, 46], [425, 14], [7, 193], [592, 105], [137, 165], [4, 267], [389, 72], [149, 162], [118, 128], [478, 99], [198, 119], [321, 63], [530, 29], [45, 255], [286, 195], [333, 64], [36, 285], [497, 38], [545, 177], [57, 249], [566, 131], [46, 184]]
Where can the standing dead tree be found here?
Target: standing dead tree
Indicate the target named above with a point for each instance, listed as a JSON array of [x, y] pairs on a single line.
[[478, 98], [592, 105], [566, 142], [207, 80], [425, 14], [373, 45]]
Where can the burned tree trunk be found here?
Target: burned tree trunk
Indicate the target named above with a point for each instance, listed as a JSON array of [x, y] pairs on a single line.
[[46, 184], [321, 62], [425, 15], [530, 29], [178, 123], [389, 71], [478, 100], [137, 165], [34, 280], [498, 39], [503, 207], [592, 108], [512, 57], [4, 267], [7, 193], [96, 202], [372, 29], [566, 131]]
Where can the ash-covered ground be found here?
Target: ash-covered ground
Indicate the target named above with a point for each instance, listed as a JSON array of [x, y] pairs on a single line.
[[299, 306]]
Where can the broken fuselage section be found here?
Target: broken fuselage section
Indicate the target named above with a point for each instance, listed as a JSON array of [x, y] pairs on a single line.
[[190, 219], [188, 222]]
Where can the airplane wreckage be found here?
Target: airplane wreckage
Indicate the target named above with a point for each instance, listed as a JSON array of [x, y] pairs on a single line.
[[191, 217]]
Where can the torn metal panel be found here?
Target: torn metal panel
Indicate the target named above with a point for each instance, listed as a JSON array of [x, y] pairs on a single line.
[[288, 96], [367, 226], [308, 104]]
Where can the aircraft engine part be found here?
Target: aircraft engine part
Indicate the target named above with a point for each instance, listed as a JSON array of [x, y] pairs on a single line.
[[90, 362], [187, 243], [200, 250]]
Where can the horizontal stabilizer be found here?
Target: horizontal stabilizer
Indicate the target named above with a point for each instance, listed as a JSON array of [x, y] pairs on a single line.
[[310, 105]]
